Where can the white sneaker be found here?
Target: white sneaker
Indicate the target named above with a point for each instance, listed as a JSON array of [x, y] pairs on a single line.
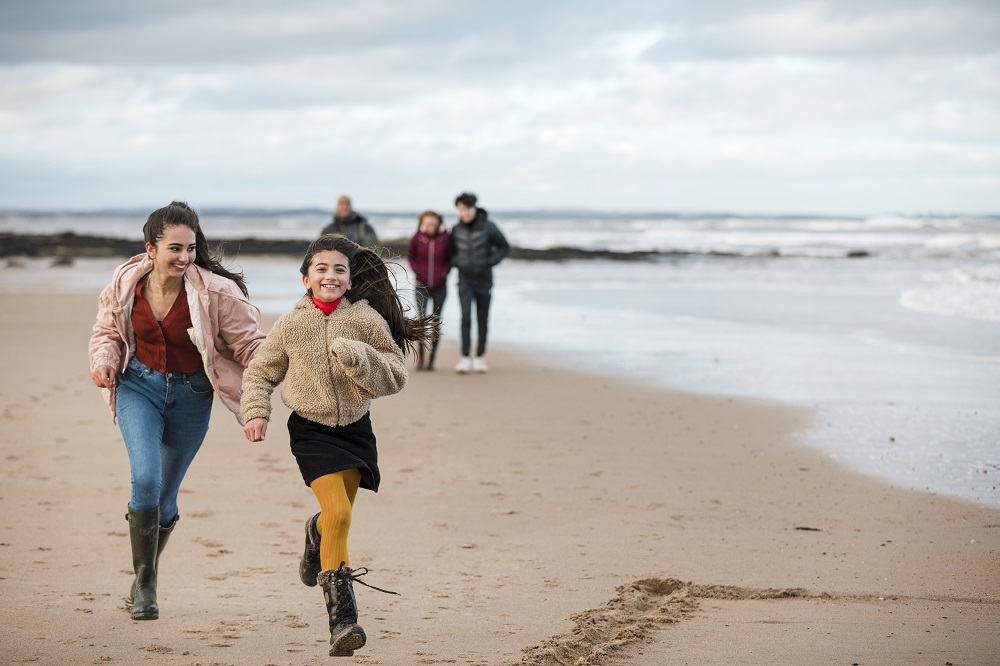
[[479, 365], [464, 366]]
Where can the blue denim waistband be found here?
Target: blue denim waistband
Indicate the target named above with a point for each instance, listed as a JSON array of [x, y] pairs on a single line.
[[138, 366]]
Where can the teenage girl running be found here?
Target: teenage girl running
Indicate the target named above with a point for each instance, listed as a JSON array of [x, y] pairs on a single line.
[[173, 329]]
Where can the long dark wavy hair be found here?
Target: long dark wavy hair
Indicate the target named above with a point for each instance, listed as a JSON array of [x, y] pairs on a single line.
[[372, 281], [179, 213]]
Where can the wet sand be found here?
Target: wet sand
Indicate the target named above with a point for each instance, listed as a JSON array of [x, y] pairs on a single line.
[[533, 515]]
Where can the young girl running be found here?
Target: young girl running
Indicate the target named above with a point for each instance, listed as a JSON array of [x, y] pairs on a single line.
[[341, 346]]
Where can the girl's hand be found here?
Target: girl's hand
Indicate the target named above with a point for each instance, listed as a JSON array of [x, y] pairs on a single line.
[[104, 377], [255, 429]]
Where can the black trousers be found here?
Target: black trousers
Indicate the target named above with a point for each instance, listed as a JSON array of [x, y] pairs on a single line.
[[480, 293], [436, 296]]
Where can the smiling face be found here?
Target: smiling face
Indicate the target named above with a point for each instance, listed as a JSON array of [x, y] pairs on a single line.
[[173, 253], [329, 275]]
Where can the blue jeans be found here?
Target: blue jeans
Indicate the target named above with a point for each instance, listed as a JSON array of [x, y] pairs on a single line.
[[478, 292], [163, 418]]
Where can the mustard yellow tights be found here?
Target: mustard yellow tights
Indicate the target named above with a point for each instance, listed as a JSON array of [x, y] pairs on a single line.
[[336, 493]]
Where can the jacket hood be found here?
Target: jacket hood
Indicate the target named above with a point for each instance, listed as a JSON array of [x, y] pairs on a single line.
[[127, 276]]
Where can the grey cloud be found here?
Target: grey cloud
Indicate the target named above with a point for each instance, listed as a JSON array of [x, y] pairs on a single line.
[[457, 40], [537, 99]]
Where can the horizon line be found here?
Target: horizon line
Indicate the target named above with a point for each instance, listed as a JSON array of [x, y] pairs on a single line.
[[590, 212]]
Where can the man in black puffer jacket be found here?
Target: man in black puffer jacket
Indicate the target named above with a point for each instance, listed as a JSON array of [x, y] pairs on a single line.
[[477, 246]]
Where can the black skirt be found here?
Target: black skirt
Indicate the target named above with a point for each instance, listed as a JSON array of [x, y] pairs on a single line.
[[321, 449]]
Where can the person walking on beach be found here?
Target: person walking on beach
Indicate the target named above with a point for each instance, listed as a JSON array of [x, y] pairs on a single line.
[[341, 346], [477, 246], [429, 253], [348, 223], [173, 328]]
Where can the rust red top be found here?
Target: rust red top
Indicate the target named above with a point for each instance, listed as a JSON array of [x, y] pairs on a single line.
[[164, 345]]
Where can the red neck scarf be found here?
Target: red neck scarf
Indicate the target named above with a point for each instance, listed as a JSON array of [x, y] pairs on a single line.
[[326, 307]]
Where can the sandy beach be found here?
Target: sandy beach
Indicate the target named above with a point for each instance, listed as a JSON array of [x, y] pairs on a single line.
[[530, 516]]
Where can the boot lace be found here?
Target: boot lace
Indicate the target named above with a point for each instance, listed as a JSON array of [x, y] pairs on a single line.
[[355, 574]]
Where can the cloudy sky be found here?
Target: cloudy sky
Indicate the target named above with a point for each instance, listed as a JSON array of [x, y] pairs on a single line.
[[745, 106]]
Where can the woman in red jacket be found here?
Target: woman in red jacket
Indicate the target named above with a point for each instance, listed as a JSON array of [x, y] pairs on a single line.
[[429, 252]]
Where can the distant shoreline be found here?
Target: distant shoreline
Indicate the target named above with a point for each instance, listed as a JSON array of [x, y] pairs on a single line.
[[69, 245]]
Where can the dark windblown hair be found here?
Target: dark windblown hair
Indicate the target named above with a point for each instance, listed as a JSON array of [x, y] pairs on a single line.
[[179, 213], [467, 199], [372, 281]]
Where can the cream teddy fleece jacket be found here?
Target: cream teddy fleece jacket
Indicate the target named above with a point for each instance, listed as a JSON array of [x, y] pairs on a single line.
[[330, 366]]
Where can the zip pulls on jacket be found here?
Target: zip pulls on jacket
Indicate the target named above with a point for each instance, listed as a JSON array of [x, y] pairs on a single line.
[[430, 260]]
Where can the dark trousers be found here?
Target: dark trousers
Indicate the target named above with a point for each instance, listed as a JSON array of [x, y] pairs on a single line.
[[436, 296], [480, 293]]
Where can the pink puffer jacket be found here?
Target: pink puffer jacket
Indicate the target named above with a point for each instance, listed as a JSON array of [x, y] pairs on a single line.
[[225, 327]]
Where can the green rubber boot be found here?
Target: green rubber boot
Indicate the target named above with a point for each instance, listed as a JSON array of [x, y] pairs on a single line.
[[164, 535], [144, 533]]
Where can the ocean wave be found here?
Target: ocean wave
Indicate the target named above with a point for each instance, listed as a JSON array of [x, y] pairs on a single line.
[[967, 293], [594, 234]]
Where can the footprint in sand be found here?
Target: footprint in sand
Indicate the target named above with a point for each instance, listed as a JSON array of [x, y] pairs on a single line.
[[215, 546], [249, 571], [158, 649], [295, 622]]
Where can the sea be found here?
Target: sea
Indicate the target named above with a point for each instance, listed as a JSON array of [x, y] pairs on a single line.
[[887, 326]]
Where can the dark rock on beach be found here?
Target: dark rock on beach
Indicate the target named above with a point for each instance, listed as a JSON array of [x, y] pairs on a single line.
[[67, 246]]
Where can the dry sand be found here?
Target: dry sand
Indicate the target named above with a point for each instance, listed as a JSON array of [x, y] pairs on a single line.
[[533, 515]]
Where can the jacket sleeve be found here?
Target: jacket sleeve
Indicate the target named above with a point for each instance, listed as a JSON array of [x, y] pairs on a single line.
[[499, 247], [411, 252], [376, 366], [447, 251], [106, 342], [413, 256], [239, 327], [265, 371]]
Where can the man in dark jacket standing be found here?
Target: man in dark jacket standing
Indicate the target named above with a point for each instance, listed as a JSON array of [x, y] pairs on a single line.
[[348, 223], [477, 246]]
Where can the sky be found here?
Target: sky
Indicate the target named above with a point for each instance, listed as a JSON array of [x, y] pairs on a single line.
[[743, 106]]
